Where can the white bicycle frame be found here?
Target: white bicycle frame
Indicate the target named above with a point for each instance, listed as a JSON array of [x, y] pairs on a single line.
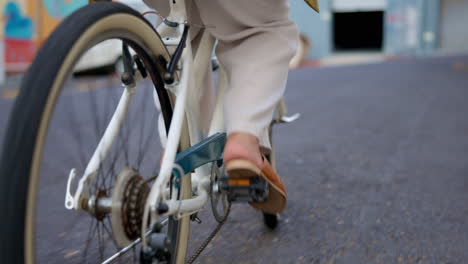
[[188, 75], [186, 108]]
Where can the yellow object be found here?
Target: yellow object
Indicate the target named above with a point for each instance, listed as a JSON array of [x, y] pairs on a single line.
[[314, 4], [239, 182]]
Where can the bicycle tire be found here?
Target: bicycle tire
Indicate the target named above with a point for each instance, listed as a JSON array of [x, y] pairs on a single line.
[[271, 220], [24, 140]]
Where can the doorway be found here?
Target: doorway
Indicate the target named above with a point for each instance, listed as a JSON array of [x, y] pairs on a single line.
[[358, 31]]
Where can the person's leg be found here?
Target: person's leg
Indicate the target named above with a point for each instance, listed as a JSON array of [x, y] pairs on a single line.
[[256, 42], [207, 93]]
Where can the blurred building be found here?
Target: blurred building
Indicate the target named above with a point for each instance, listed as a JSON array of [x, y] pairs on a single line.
[[392, 27], [25, 24]]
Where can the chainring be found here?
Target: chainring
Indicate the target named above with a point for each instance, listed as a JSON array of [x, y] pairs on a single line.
[[219, 201]]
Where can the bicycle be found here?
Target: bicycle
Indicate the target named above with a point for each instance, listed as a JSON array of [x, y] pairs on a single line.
[[120, 190]]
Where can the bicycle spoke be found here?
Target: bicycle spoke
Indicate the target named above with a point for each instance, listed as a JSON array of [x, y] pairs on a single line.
[[147, 143], [134, 255], [142, 130], [100, 244], [93, 108], [74, 123], [90, 235], [118, 151], [106, 120], [136, 116], [107, 112], [110, 233], [126, 143]]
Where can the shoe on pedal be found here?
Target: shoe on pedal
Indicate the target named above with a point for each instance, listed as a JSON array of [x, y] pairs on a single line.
[[246, 173]]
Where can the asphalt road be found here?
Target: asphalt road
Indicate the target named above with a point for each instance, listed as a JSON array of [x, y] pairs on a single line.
[[376, 169]]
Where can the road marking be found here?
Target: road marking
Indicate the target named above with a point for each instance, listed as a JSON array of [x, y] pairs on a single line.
[[460, 66], [71, 254], [10, 93]]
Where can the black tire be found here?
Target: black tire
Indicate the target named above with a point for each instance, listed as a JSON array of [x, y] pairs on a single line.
[[270, 220], [24, 144]]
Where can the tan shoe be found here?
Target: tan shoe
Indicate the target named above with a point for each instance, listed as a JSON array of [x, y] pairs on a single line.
[[276, 201]]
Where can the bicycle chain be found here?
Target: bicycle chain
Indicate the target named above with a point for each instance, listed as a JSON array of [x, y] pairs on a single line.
[[209, 238]]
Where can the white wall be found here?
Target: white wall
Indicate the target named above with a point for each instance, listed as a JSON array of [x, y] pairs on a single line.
[[2, 63], [358, 5], [453, 25], [315, 26]]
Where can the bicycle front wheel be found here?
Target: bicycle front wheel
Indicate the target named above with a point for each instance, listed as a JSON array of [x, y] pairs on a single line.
[[56, 125]]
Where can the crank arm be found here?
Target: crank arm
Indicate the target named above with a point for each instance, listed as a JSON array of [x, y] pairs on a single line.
[[207, 151]]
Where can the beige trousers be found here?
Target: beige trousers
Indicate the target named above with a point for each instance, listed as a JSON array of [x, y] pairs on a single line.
[[256, 41]]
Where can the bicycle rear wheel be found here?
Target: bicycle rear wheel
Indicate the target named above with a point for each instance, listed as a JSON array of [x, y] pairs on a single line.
[[56, 124]]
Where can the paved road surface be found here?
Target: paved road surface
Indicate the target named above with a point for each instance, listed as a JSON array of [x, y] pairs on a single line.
[[376, 170]]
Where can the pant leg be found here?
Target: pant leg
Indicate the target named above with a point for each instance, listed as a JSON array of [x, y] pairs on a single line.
[[256, 42], [207, 93]]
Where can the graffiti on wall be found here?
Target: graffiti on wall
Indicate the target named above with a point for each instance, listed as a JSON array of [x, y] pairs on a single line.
[[17, 24], [18, 32], [26, 24], [53, 12], [59, 9]]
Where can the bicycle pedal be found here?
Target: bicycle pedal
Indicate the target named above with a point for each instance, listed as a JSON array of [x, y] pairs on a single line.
[[245, 190]]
